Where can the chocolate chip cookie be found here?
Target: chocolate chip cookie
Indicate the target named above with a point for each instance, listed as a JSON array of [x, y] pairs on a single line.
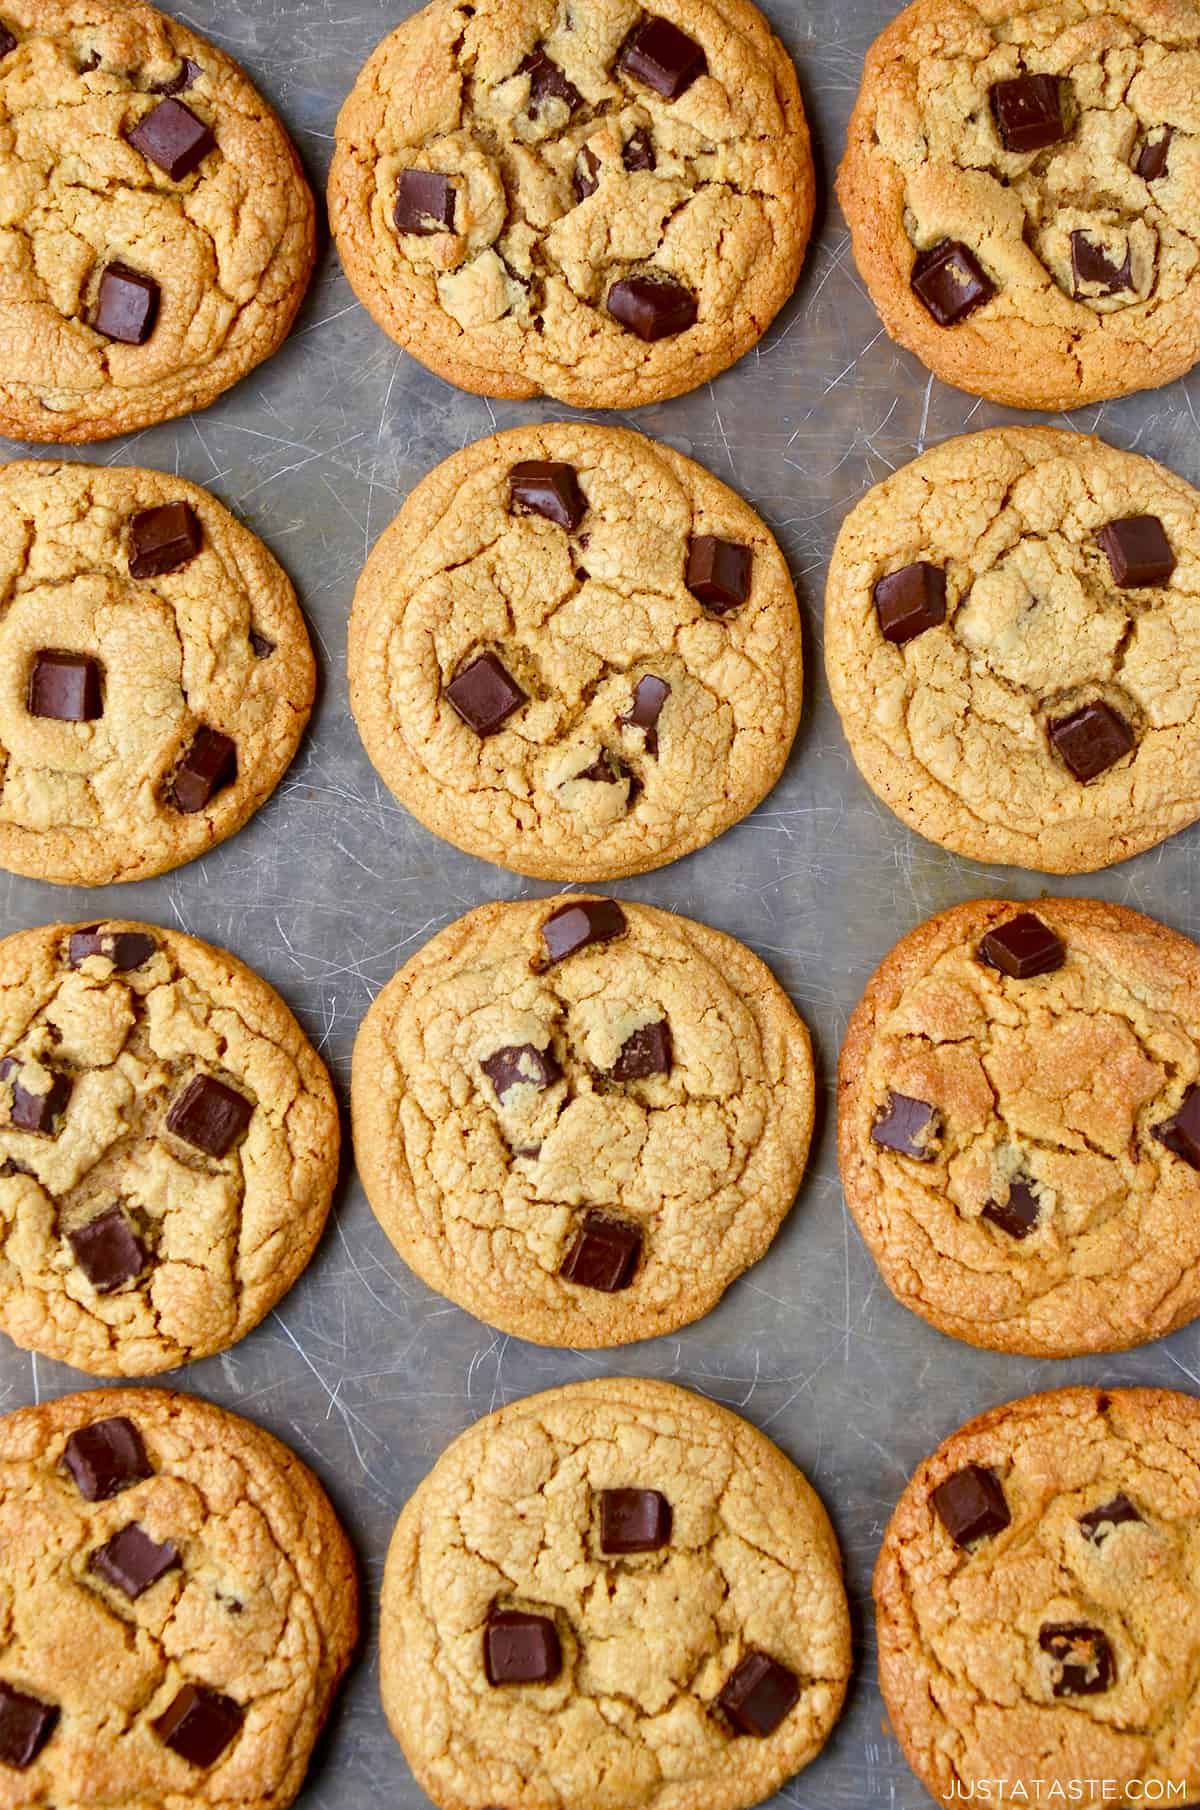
[[168, 1146], [1019, 1125], [155, 672], [1011, 634], [581, 1120], [1022, 184], [575, 653], [157, 234], [180, 1604], [615, 1594], [597, 203], [1037, 1601]]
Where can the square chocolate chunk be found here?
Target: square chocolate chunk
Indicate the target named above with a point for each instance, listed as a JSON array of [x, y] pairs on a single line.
[[910, 601], [581, 924], [125, 949], [131, 1561], [758, 1694], [1181, 1134], [970, 1505], [108, 1250], [652, 307], [547, 82], [105, 1458], [718, 572], [199, 1724], [65, 687], [1023, 947], [663, 57], [1092, 740], [1028, 112], [521, 1065], [171, 136], [32, 1111], [163, 539], [908, 1126], [547, 487], [638, 153], [649, 696], [950, 282], [1095, 270], [1082, 1656], [1098, 1523], [210, 1116], [26, 1724], [485, 694], [646, 1051], [634, 1520], [209, 765], [520, 1648], [1018, 1215], [424, 203], [127, 305], [604, 1254], [1151, 165], [1138, 550]]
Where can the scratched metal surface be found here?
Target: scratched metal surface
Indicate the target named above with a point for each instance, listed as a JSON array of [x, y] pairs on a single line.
[[363, 1370]]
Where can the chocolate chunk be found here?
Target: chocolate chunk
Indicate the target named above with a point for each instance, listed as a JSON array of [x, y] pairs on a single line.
[[109, 1251], [634, 1520], [586, 179], [65, 687], [652, 307], [663, 57], [949, 280], [520, 1648], [127, 305], [521, 1065], [646, 1051], [424, 202], [758, 1694], [547, 487], [163, 539], [649, 696], [1181, 1134], [1018, 1215], [210, 1116], [209, 765], [910, 601], [26, 1724], [37, 1111], [185, 77], [1082, 1657], [547, 83], [1022, 947], [970, 1505], [1094, 269], [1028, 112], [638, 153], [485, 694], [260, 646], [604, 770], [604, 1254], [171, 136], [908, 1126], [579, 924], [131, 1561], [200, 1724], [1098, 1523], [718, 572], [1092, 740], [125, 949], [1138, 550], [7, 42], [1152, 158], [106, 1458]]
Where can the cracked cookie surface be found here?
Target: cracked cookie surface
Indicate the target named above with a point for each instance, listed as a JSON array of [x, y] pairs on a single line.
[[584, 1151], [1075, 201], [209, 639], [965, 727], [1058, 1642], [254, 1601], [1045, 1199], [594, 771], [553, 162], [228, 243], [514, 1514], [139, 1233]]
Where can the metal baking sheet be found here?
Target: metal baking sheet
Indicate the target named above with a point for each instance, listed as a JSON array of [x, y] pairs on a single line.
[[332, 885]]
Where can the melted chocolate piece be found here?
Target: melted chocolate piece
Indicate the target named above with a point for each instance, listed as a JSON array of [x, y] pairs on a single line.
[[604, 1254], [580, 924], [520, 1648], [907, 1126], [521, 1065], [949, 281], [586, 178], [26, 1724], [970, 1505], [758, 1694], [649, 696], [1098, 1523], [210, 1116], [910, 601], [162, 540], [1022, 948], [1082, 1657], [200, 1724], [547, 83], [604, 770], [64, 687], [185, 77], [1018, 1215], [209, 765], [424, 203], [131, 1561], [171, 136], [638, 153], [1092, 740], [108, 1251], [652, 307], [718, 572], [125, 949], [547, 487], [1138, 551], [127, 305], [1028, 112], [485, 694], [1181, 1134], [7, 42], [663, 57], [260, 646], [1152, 158], [1094, 269], [37, 1111], [105, 1458], [646, 1051], [634, 1520]]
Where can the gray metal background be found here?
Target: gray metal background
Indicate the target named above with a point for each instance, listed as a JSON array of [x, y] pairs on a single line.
[[364, 1371]]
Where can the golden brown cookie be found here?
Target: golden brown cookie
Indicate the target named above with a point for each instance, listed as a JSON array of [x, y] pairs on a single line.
[[582, 1120], [179, 1606], [603, 205], [576, 653], [168, 1146], [1012, 639], [156, 230], [615, 1594], [1019, 1125], [155, 672], [1037, 1603], [1022, 184]]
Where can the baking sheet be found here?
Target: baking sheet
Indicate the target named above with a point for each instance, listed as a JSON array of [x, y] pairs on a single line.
[[364, 1371]]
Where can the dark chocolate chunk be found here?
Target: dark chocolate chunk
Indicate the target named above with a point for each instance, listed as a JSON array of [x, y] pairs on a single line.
[[171, 136], [127, 305], [1082, 1656], [1138, 550], [162, 540], [108, 1250], [185, 77], [1181, 1134], [604, 770], [424, 202], [1018, 1215], [521, 1065], [125, 949], [1094, 268], [7, 42], [579, 924], [638, 153], [520, 1648], [131, 1561], [37, 1111], [200, 1724], [949, 281], [106, 1458], [910, 601], [634, 1520], [485, 694], [260, 646], [547, 487], [1092, 740], [649, 696], [586, 179], [604, 1254], [1022, 947], [970, 1505], [65, 687], [758, 1694], [646, 1051], [1152, 158], [210, 1116], [1028, 112], [908, 1126], [1098, 1523], [718, 572], [652, 307], [663, 57], [547, 83], [209, 765], [26, 1724]]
